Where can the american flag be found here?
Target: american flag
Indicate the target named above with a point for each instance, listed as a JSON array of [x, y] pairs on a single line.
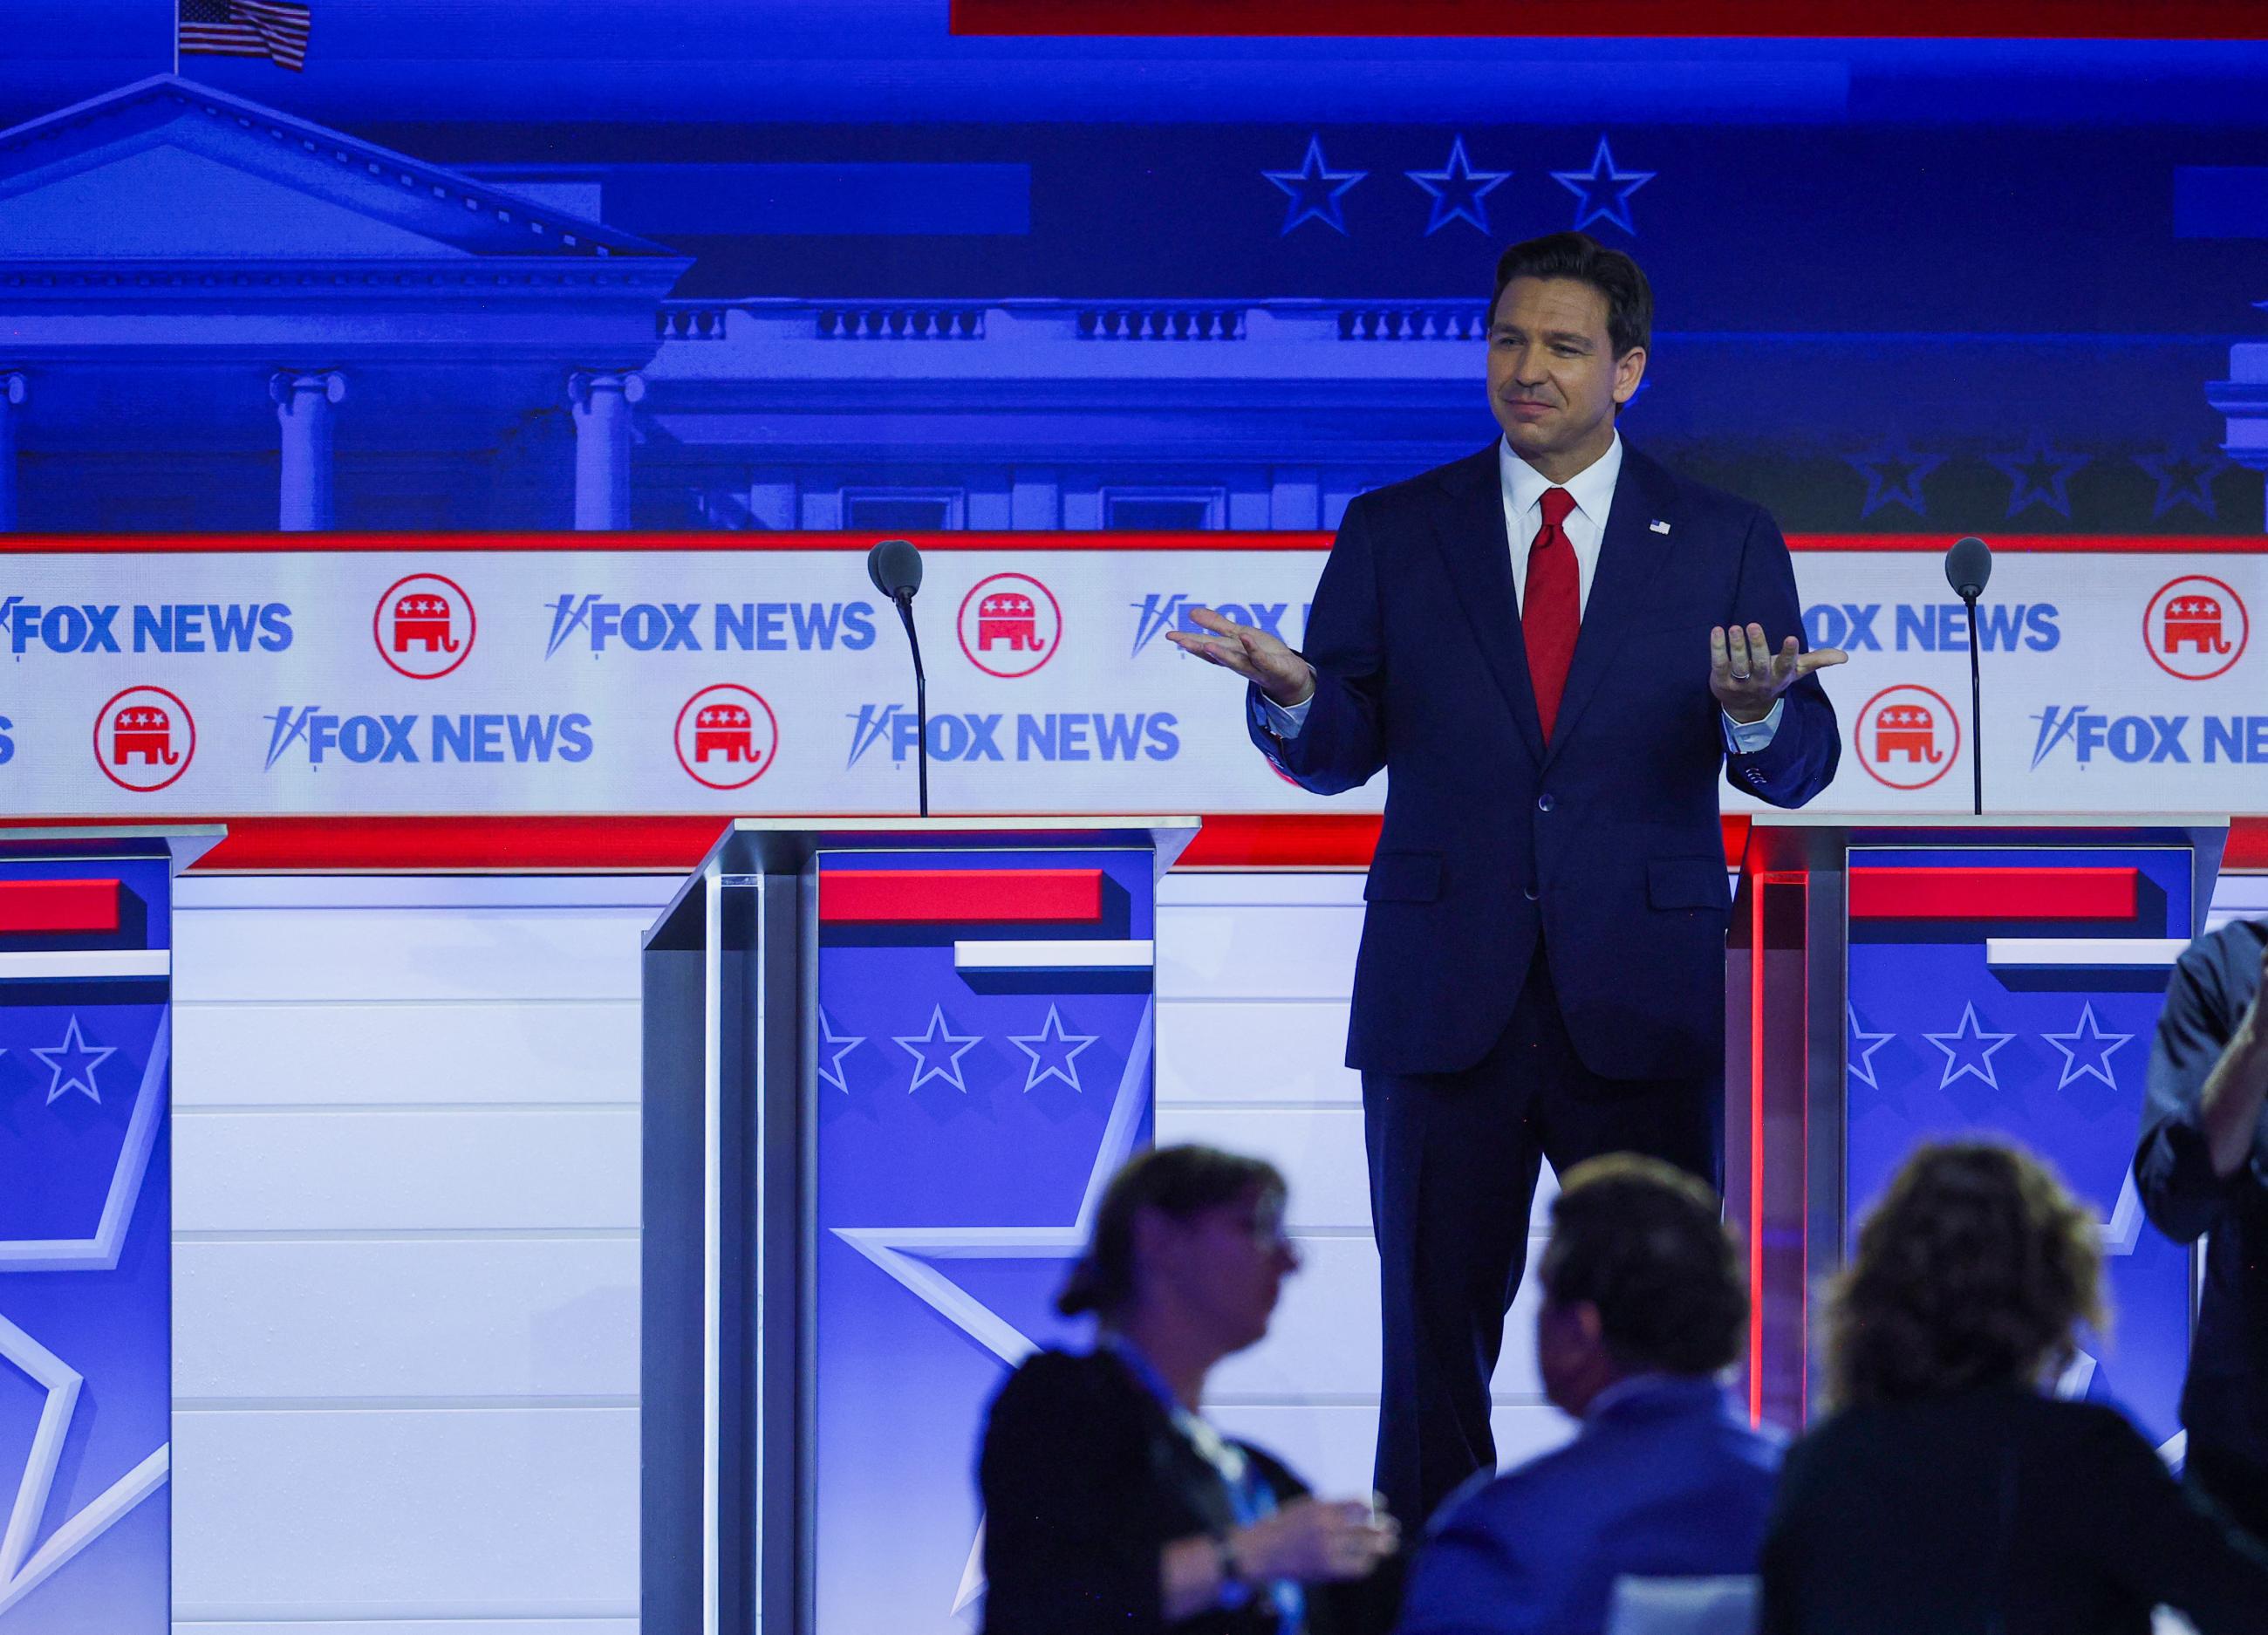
[[269, 28]]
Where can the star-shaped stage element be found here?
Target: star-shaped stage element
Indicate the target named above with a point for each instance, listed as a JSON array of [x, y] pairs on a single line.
[[1603, 192], [908, 1253], [1894, 474], [1961, 1054], [833, 1047], [72, 1063], [2087, 1049], [22, 1568], [1863, 1046], [2036, 477], [937, 1054], [99, 1252], [1054, 1053], [1458, 190], [1314, 189], [2184, 477]]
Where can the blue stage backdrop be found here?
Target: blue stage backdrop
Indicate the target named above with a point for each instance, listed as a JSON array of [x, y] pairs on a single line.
[[85, 1246]]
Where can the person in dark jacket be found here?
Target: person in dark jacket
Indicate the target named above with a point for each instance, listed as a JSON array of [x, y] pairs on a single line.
[[1643, 1306], [1947, 1491], [2202, 1168], [1111, 1503]]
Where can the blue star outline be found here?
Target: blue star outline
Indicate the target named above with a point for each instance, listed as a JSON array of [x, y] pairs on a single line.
[[2086, 1041], [937, 1054], [1877, 466], [1962, 1057], [1602, 193], [833, 1047], [1863, 1046], [1457, 189], [1314, 189], [2037, 476], [73, 1063], [1054, 1053]]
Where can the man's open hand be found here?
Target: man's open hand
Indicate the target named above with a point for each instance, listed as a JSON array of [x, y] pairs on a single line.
[[1256, 655], [1747, 675]]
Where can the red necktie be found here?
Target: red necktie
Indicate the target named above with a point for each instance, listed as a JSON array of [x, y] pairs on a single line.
[[1551, 607]]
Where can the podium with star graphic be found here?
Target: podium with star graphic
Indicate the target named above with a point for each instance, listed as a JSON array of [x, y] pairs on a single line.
[[1899, 979], [889, 1066], [87, 1226]]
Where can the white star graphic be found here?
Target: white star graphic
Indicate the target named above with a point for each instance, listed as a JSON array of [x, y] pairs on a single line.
[[83, 1059], [22, 1568], [2086, 1039], [1863, 1046], [1959, 1058], [830, 1070], [1057, 1063], [931, 1062]]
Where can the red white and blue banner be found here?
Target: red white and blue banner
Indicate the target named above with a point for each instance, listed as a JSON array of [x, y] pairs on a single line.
[[541, 676]]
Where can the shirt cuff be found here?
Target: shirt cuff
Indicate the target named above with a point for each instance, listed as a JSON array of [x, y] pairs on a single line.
[[1746, 737], [1284, 720]]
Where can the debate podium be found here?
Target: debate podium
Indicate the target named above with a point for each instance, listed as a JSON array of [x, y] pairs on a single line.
[[1894, 979], [888, 1065], [86, 975]]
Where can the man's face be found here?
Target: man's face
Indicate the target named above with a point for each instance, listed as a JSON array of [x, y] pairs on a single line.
[[1554, 380]]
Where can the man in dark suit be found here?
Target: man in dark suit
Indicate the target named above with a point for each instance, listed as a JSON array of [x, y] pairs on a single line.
[[1554, 644], [2203, 1168]]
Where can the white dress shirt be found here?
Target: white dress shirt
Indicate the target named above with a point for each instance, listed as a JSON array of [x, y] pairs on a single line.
[[1586, 528]]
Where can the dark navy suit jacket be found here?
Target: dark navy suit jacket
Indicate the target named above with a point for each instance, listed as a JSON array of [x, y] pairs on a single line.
[[1605, 842], [1662, 1483]]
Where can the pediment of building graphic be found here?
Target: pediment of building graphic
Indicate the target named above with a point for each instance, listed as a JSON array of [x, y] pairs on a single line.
[[170, 180]]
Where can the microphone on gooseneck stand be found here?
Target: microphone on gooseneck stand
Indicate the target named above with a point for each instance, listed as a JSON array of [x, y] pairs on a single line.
[[896, 567], [1969, 570]]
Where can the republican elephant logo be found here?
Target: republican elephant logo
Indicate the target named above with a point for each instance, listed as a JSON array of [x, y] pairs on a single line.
[[424, 626], [145, 739], [1010, 625]]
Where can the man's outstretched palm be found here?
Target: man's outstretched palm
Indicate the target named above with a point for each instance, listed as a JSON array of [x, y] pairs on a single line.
[[1255, 655]]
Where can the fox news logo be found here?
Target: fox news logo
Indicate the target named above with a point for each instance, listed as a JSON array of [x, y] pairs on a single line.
[[145, 739], [154, 627], [424, 626], [1009, 625], [1932, 626], [1056, 736], [2150, 739], [1158, 613], [595, 621], [319, 735], [727, 737], [1907, 737], [2194, 627]]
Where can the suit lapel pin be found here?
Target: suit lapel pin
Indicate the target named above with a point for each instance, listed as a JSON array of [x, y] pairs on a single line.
[[1659, 526]]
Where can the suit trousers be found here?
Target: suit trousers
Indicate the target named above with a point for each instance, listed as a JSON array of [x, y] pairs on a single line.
[[1454, 1163]]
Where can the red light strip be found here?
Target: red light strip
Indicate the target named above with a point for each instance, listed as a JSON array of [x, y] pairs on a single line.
[[1756, 1148], [1005, 543]]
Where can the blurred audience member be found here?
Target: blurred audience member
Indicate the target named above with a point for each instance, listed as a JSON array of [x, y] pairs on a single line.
[[1644, 1303], [1948, 1492], [1111, 1504], [2203, 1169]]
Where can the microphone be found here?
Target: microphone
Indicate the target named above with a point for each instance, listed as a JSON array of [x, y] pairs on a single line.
[[1969, 570], [895, 568]]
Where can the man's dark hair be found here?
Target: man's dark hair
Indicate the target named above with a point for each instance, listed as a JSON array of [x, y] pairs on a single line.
[[1577, 255], [1178, 1181], [1645, 1243]]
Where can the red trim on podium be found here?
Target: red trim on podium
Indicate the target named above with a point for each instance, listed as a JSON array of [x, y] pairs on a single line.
[[43, 907], [936, 896], [671, 842], [1994, 893]]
